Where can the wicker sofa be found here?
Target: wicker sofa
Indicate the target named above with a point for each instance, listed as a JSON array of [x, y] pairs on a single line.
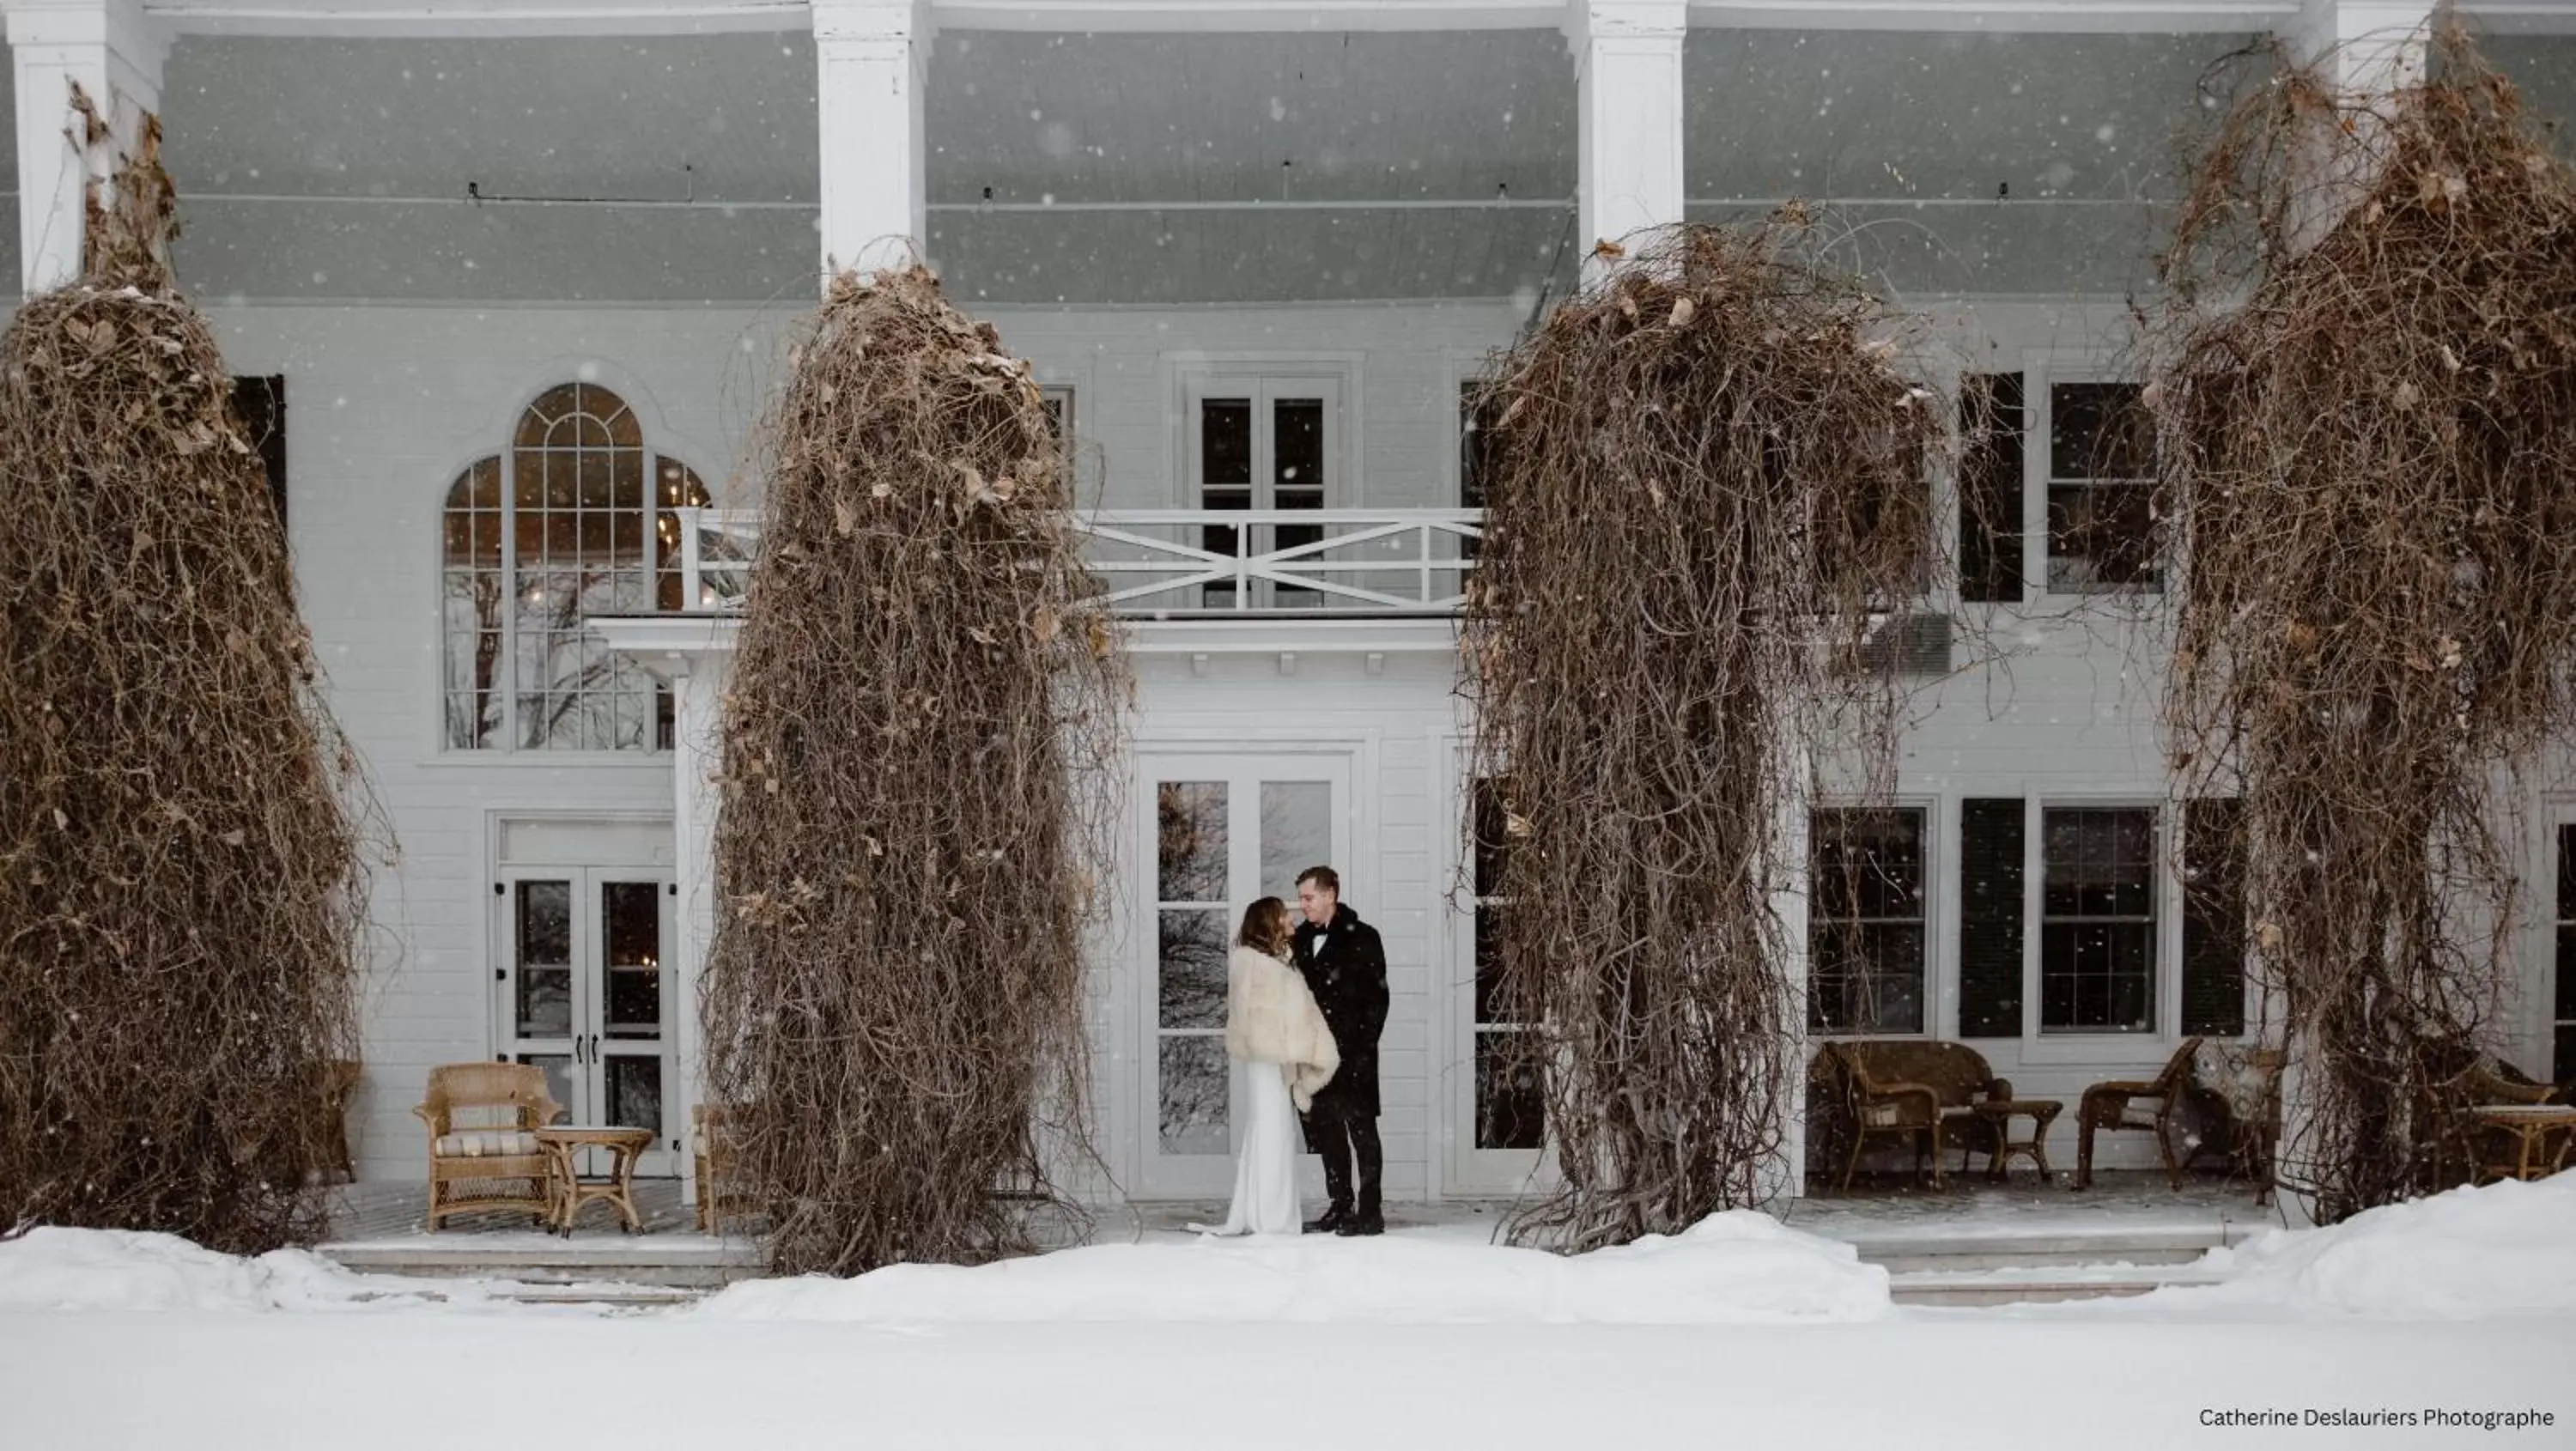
[[1918, 1089]]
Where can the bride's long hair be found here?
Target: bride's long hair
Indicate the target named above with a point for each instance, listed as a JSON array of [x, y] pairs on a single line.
[[1265, 927]]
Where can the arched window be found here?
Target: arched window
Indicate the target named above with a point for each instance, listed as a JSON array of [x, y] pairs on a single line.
[[573, 520]]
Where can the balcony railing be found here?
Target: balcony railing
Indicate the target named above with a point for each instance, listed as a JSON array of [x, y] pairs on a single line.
[[1199, 563]]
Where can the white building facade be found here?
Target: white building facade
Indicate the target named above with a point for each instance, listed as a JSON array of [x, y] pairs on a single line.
[[517, 274]]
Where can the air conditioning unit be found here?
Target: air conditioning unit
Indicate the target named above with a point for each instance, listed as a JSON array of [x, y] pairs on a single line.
[[1912, 644]]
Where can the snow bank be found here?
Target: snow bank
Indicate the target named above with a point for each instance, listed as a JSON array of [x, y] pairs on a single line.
[[111, 1270], [2506, 1249], [108, 1269], [1735, 1267]]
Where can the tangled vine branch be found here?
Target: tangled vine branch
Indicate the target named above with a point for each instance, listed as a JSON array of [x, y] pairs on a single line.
[[184, 833], [2367, 391], [917, 748], [1710, 479]]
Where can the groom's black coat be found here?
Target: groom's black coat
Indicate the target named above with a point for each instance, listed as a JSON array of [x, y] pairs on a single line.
[[1348, 977]]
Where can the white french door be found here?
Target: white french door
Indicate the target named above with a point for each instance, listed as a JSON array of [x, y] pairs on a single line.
[[1218, 832], [585, 994], [1265, 442]]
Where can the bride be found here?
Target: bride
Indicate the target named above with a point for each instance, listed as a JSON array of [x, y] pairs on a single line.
[[1273, 1027]]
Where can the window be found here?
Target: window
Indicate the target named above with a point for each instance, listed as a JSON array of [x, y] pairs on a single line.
[[1865, 926], [1478, 408], [2102, 499], [1259, 442], [2097, 946], [573, 520], [1994, 432], [260, 404], [2562, 1013], [1511, 1102], [1057, 400]]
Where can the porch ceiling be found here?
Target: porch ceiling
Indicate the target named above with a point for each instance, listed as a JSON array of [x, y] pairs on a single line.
[[1073, 169]]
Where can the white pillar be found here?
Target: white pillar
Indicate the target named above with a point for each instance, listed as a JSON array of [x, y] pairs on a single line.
[[1628, 82], [871, 57], [114, 52], [2367, 51], [2369, 46], [697, 691]]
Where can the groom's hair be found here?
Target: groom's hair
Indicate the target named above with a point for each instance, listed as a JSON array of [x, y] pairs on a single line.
[[1324, 877]]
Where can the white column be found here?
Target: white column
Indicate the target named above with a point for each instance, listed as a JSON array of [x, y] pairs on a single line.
[[697, 692], [114, 52], [871, 57], [1628, 82], [2369, 46], [2367, 50]]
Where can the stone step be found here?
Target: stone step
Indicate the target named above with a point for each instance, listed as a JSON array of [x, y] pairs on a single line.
[[2007, 1287], [1898, 1263], [665, 1262]]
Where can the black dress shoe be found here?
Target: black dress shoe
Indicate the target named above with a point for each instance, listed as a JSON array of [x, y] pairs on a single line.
[[1329, 1222], [1359, 1224]]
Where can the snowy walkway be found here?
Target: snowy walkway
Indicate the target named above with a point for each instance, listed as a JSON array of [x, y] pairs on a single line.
[[393, 1383], [1742, 1332]]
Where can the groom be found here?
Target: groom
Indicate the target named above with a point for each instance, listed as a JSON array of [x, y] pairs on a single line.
[[1345, 965]]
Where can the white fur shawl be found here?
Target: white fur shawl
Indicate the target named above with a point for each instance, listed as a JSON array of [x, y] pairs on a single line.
[[1271, 1017]]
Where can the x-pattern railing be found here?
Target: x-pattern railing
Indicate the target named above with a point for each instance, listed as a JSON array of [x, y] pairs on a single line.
[[1199, 562]]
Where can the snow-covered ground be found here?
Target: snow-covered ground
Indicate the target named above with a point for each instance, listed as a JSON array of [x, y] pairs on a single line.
[[1739, 1333]]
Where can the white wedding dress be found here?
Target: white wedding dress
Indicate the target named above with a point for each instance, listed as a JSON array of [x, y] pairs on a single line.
[[1280, 1049], [1265, 1173]]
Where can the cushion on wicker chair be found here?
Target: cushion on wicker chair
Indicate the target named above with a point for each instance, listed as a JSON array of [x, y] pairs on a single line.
[[485, 1144], [2236, 1073]]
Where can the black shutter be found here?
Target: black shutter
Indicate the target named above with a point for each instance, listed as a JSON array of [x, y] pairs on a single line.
[[2213, 918], [260, 404], [1990, 917], [1992, 426]]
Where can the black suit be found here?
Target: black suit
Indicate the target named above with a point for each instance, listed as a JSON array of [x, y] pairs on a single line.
[[1346, 969]]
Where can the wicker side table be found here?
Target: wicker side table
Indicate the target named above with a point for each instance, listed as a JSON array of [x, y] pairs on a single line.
[[2001, 1112], [567, 1191], [2531, 1128]]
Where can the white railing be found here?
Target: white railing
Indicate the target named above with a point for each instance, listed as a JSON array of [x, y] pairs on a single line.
[[1183, 563]]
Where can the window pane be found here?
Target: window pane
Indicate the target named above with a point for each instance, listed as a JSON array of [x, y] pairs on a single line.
[[1191, 850], [1296, 833], [1190, 968], [2098, 935], [559, 1081], [1297, 452], [1491, 825], [635, 1091], [544, 965], [1193, 1091], [631, 922], [1511, 1103], [2099, 431], [2100, 536], [1225, 444], [1476, 457]]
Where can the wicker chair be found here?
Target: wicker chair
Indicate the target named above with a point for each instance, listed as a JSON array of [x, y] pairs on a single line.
[[2465, 1150], [1918, 1088], [483, 1152], [721, 1190], [2134, 1105]]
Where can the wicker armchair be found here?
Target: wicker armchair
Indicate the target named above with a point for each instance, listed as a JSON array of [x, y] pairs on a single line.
[[1915, 1088], [483, 1152], [721, 1190], [2465, 1150], [2137, 1105]]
